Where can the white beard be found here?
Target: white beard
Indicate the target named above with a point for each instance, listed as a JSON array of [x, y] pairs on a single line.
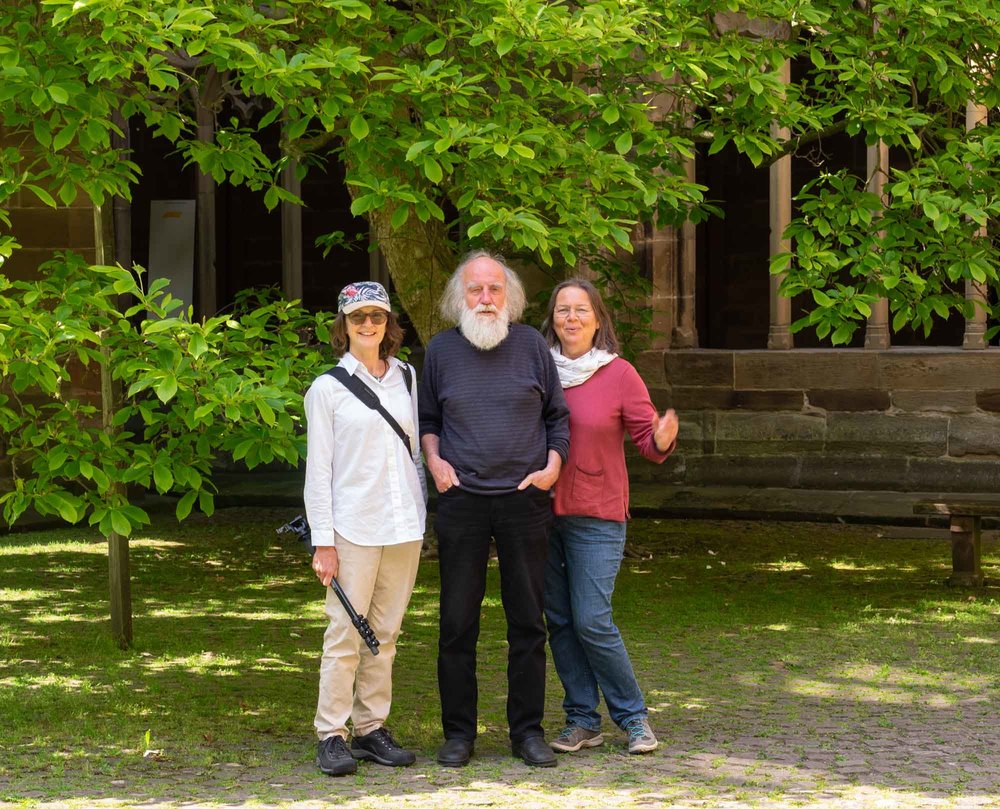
[[485, 332]]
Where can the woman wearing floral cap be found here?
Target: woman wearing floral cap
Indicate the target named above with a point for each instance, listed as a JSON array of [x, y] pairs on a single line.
[[365, 497]]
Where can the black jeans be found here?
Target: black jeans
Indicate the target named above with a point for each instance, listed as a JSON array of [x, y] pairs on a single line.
[[519, 523]]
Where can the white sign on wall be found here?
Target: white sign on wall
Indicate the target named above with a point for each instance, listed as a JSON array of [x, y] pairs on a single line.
[[171, 245]]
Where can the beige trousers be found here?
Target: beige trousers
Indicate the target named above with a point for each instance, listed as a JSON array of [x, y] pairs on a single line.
[[353, 683]]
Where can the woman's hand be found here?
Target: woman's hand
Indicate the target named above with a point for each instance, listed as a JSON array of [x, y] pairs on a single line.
[[326, 563], [665, 429]]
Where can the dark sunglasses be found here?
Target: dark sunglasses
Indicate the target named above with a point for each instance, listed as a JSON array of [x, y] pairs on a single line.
[[377, 318]]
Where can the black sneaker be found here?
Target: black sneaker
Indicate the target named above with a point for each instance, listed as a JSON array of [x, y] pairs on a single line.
[[334, 758], [379, 746]]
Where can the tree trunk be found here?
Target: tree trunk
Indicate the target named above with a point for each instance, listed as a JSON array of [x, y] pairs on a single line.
[[420, 261], [119, 575]]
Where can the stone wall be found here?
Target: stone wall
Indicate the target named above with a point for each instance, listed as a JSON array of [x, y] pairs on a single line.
[[903, 419], [42, 231]]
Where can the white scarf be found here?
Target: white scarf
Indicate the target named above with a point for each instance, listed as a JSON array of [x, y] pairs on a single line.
[[576, 372]]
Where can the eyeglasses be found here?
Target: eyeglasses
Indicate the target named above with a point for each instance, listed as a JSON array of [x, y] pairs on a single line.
[[581, 312], [377, 318]]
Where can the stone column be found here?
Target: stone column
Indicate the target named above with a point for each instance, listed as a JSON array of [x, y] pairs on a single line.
[[975, 326], [205, 239], [877, 332], [657, 249], [779, 334], [206, 96], [291, 235], [685, 334]]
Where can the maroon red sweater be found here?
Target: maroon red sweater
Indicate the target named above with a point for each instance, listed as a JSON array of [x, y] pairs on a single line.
[[594, 481]]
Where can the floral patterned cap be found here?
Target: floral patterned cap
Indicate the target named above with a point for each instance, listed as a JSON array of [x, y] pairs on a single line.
[[363, 293]]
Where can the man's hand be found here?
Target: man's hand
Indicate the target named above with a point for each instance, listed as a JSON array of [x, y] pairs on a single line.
[[326, 563], [546, 478], [665, 430], [443, 473]]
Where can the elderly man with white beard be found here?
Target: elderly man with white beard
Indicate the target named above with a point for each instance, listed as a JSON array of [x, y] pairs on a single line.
[[494, 427]]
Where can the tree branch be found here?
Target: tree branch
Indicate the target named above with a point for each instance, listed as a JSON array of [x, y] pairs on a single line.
[[794, 144]]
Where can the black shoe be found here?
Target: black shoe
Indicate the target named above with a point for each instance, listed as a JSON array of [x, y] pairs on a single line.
[[379, 746], [334, 758], [535, 752], [455, 752]]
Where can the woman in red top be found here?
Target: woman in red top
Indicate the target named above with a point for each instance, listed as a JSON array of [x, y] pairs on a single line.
[[606, 398]]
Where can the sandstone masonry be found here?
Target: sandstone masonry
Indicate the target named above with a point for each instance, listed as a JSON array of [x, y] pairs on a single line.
[[903, 419]]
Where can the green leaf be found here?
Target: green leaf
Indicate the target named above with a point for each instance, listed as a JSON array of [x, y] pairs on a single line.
[[266, 413], [506, 43], [623, 143], [42, 194], [63, 139], [198, 345], [610, 114], [167, 388], [416, 149], [67, 509], [185, 504], [120, 523], [56, 458], [58, 94], [362, 204], [399, 216], [206, 502], [163, 478], [432, 170], [822, 298], [435, 47], [359, 127], [843, 333]]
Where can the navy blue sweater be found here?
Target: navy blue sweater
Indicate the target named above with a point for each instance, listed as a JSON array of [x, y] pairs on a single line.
[[498, 412]]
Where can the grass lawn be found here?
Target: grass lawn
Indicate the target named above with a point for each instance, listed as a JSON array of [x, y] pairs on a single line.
[[784, 664]]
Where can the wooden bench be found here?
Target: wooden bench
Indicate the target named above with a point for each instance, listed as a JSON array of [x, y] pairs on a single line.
[[965, 514]]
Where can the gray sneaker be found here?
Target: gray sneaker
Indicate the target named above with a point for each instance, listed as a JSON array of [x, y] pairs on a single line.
[[572, 737], [640, 735]]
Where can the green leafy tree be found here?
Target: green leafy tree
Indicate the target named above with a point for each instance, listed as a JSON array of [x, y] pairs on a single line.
[[526, 121], [546, 128], [229, 387]]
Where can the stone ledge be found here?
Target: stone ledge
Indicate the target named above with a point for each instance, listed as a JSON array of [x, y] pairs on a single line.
[[744, 433], [803, 368], [698, 367], [779, 503], [974, 435], [859, 434], [847, 400], [939, 401], [938, 370]]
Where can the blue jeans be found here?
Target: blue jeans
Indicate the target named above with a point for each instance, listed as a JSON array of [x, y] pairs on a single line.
[[585, 554]]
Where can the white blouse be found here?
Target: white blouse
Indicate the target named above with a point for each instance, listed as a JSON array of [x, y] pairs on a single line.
[[362, 482]]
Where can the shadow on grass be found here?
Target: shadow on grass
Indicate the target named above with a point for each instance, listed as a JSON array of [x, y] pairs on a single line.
[[779, 662]]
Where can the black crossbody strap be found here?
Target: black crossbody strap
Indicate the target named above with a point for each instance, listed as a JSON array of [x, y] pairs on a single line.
[[370, 399]]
